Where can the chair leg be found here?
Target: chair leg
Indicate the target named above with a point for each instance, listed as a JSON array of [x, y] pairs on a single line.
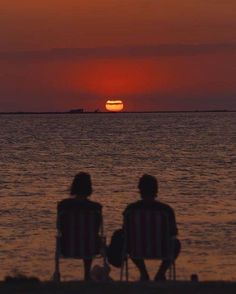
[[103, 250], [122, 270], [170, 272], [56, 275], [127, 270], [123, 261], [124, 267], [174, 271]]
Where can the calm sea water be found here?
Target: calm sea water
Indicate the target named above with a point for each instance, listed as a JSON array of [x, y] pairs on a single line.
[[193, 155]]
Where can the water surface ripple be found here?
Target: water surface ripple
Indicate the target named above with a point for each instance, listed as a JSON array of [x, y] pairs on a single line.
[[192, 154]]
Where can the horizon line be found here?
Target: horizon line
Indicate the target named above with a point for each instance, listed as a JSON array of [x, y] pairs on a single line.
[[107, 112]]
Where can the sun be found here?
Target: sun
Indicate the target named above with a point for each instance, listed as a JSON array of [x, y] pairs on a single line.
[[114, 105]]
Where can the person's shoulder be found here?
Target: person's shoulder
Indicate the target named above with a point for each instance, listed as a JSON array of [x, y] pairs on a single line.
[[94, 205], [73, 203], [64, 202], [133, 205], [164, 206]]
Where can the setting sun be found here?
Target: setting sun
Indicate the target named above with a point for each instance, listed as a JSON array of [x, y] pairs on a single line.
[[114, 105]]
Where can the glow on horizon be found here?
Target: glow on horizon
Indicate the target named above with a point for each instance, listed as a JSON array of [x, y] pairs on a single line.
[[114, 62]]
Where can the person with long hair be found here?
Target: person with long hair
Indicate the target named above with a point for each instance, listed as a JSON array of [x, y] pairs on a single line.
[[80, 191]]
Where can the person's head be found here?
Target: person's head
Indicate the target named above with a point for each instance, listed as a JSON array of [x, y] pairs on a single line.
[[148, 187], [81, 185]]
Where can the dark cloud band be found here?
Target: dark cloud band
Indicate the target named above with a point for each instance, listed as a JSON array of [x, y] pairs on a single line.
[[120, 52]]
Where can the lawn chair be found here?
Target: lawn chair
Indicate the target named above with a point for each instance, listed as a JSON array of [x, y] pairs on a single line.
[[77, 237], [147, 236]]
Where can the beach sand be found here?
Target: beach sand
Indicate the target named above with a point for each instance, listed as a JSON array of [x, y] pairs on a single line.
[[75, 287]]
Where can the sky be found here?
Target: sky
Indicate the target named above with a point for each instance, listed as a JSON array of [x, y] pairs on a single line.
[[153, 54]]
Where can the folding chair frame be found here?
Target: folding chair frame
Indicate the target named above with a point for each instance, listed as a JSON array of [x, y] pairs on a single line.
[[56, 277], [125, 257]]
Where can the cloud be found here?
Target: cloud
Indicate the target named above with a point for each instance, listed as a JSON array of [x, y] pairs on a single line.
[[119, 52]]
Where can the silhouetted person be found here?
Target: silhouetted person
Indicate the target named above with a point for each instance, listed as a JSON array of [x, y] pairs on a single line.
[[81, 189], [148, 187]]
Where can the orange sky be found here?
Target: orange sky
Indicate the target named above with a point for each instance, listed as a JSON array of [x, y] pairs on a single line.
[[146, 77]]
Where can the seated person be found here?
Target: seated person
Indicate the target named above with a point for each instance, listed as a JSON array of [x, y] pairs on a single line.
[[81, 189], [148, 188]]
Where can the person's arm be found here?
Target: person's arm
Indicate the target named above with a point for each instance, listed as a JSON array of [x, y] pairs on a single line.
[[60, 207], [124, 213], [57, 217], [173, 225]]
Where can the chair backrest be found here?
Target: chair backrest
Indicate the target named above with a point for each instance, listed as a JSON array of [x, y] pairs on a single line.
[[147, 234], [79, 233]]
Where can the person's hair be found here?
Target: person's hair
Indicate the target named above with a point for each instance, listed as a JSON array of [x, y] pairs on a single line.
[[148, 186], [81, 185]]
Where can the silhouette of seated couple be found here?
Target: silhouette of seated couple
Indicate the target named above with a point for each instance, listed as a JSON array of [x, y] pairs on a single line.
[[81, 190]]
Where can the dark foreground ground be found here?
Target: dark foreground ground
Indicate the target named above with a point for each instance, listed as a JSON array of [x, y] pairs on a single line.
[[35, 287]]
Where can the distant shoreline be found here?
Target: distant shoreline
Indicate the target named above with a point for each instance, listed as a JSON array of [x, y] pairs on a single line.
[[105, 112]]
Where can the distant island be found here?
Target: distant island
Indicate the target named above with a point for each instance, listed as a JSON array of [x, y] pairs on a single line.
[[79, 110]]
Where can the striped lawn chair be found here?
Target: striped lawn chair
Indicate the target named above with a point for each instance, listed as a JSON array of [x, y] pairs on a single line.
[[79, 236], [147, 236]]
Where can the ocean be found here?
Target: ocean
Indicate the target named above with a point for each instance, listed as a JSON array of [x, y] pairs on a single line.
[[193, 156]]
